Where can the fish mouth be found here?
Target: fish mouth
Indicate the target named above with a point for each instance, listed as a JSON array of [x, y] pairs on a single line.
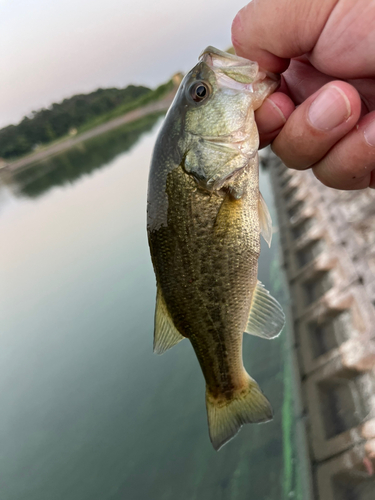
[[236, 72], [240, 75]]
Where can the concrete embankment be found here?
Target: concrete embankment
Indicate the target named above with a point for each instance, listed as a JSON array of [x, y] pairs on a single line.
[[154, 107], [328, 242]]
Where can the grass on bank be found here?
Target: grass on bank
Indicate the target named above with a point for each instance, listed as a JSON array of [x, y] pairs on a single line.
[[152, 96]]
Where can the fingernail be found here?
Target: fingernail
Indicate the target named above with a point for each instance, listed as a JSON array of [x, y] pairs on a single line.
[[369, 133], [330, 109], [271, 116], [278, 111]]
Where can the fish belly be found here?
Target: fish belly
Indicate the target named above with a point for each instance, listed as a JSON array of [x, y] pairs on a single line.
[[205, 259]]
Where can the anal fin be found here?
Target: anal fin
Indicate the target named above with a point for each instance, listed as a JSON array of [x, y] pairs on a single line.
[[266, 318], [166, 334]]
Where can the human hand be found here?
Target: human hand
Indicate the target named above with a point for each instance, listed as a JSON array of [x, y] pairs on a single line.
[[323, 115]]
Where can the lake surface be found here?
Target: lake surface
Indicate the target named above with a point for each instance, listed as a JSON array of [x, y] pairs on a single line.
[[88, 412]]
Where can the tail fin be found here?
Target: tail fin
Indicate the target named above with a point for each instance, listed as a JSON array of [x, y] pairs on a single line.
[[226, 417]]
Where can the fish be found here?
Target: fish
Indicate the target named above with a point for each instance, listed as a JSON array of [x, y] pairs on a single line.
[[205, 215]]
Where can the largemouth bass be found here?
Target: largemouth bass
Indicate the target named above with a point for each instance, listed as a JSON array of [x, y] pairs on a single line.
[[205, 216]]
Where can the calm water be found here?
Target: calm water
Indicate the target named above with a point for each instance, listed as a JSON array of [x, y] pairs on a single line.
[[88, 412]]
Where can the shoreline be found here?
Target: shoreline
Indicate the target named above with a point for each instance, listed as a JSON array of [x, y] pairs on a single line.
[[160, 105]]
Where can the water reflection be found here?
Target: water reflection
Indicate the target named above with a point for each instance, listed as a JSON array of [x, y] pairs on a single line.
[[82, 159], [88, 412]]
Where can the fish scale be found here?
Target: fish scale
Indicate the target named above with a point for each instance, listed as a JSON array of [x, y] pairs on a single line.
[[205, 216]]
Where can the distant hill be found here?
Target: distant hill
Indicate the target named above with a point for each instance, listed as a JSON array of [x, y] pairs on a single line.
[[76, 113]]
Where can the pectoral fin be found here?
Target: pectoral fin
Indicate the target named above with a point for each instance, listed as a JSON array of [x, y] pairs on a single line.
[[266, 317], [166, 334], [265, 220]]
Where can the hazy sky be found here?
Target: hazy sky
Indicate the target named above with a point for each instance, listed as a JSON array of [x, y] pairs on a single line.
[[51, 49]]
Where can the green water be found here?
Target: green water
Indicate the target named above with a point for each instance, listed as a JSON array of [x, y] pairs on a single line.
[[88, 412]]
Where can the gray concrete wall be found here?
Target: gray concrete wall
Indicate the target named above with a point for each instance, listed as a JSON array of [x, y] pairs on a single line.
[[328, 245]]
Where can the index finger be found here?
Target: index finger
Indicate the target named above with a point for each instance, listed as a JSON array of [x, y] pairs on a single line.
[[272, 32]]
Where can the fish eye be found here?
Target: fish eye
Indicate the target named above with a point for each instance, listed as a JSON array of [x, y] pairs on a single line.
[[199, 91]]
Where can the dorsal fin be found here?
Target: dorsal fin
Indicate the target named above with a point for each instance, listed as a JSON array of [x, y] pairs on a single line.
[[166, 334], [266, 318], [265, 220]]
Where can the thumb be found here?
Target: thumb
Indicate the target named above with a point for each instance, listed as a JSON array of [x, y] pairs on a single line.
[[273, 31]]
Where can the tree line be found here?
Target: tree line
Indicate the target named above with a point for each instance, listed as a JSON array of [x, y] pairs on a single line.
[[49, 124]]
